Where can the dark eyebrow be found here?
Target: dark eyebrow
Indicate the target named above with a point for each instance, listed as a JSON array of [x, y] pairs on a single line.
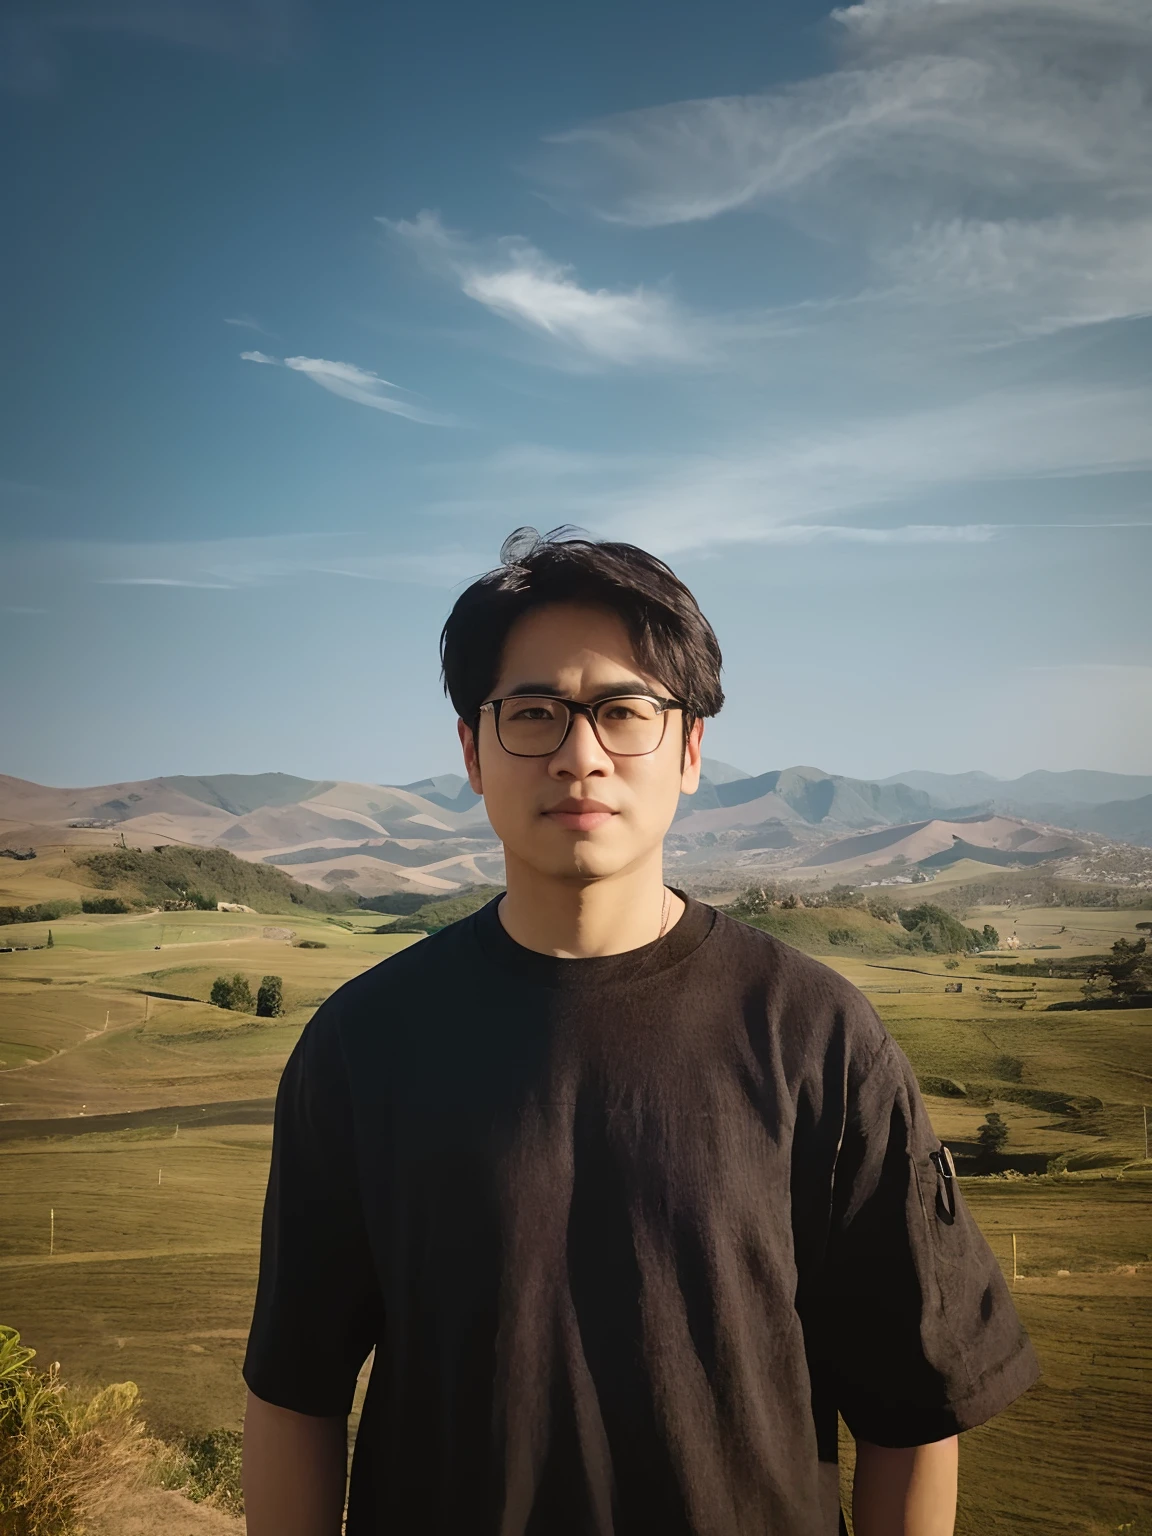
[[624, 689]]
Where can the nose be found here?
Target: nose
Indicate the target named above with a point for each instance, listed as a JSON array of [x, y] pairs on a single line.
[[581, 754]]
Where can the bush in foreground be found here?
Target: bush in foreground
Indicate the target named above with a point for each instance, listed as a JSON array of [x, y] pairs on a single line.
[[67, 1456], [206, 1468], [62, 1453]]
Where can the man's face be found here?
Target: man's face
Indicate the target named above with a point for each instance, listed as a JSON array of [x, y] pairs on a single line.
[[581, 813]]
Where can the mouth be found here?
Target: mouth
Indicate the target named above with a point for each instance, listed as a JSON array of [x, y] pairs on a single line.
[[580, 815]]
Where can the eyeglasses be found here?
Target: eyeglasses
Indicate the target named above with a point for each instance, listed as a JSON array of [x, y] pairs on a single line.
[[535, 725]]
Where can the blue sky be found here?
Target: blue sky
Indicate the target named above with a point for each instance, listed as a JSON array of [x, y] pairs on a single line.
[[844, 313]]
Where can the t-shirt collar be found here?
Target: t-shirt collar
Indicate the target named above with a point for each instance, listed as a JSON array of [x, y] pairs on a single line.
[[595, 971]]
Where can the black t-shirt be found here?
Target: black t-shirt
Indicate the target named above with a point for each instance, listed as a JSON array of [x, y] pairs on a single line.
[[625, 1233]]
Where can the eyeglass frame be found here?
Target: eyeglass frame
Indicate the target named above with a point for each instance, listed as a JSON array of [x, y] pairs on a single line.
[[574, 708]]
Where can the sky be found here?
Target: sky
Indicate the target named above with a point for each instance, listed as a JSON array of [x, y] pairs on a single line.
[[846, 314]]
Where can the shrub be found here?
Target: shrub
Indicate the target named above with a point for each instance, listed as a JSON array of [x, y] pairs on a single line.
[[104, 904], [311, 944], [61, 1453], [951, 965], [207, 1468], [233, 993], [39, 912], [270, 998], [1009, 1068], [840, 935], [938, 931]]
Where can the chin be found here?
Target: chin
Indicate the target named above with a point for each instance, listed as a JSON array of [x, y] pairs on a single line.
[[588, 859]]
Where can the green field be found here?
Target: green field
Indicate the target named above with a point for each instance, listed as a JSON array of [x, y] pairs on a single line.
[[156, 1221]]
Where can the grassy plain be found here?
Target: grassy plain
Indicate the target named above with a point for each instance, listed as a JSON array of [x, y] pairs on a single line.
[[156, 1228]]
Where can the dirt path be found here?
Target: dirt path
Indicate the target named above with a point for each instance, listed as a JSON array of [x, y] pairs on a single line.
[[148, 1511], [123, 1255], [220, 1112]]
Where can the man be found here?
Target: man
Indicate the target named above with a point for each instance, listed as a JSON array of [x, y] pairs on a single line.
[[628, 1197]]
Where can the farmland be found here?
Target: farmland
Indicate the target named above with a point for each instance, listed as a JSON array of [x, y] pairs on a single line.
[[156, 1210]]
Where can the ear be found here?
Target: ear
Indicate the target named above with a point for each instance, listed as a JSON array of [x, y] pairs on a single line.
[[471, 756], [690, 773]]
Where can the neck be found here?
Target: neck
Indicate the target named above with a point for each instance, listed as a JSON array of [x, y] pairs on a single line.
[[578, 918]]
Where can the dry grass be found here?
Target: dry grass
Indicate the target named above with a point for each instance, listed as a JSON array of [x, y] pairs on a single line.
[[1070, 1457], [64, 1455], [155, 1281]]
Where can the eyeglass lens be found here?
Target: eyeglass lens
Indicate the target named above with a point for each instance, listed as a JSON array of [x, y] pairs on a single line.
[[535, 727]]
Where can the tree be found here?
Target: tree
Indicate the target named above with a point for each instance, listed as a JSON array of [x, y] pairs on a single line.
[[270, 998], [242, 1001], [221, 994], [992, 1135], [1130, 969], [51, 944], [989, 937]]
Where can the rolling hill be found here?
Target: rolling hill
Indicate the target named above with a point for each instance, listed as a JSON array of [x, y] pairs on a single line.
[[332, 834], [802, 794], [1028, 794], [432, 836], [991, 839]]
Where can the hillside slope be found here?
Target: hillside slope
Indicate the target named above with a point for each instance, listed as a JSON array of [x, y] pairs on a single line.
[[935, 841], [204, 876]]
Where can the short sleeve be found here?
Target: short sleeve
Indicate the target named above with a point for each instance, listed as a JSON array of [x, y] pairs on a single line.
[[921, 1339], [317, 1307]]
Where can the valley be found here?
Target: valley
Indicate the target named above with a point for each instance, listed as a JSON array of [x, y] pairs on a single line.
[[135, 1121]]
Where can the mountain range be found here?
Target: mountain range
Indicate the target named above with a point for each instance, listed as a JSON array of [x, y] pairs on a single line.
[[433, 835]]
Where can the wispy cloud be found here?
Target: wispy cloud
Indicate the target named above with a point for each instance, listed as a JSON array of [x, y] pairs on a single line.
[[247, 323], [240, 564], [353, 383], [163, 581], [752, 492], [794, 484], [989, 153], [903, 533], [511, 278]]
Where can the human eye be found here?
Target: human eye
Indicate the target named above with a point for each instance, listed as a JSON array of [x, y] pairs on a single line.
[[529, 710], [627, 709]]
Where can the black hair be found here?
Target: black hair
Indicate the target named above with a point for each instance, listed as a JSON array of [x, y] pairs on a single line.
[[672, 639]]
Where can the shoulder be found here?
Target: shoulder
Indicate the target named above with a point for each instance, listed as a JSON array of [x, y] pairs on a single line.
[[799, 989], [423, 971]]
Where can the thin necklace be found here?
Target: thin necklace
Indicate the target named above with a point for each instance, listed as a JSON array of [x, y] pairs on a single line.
[[665, 912]]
